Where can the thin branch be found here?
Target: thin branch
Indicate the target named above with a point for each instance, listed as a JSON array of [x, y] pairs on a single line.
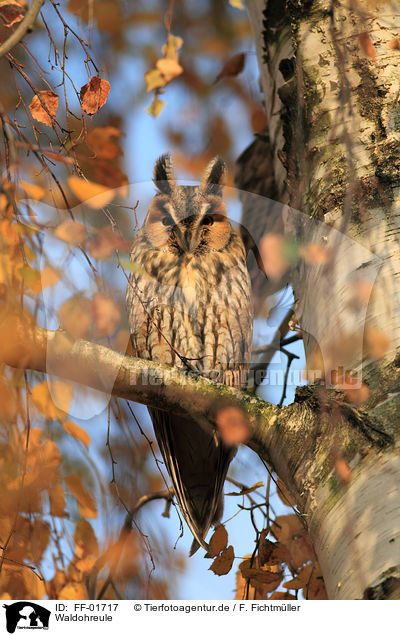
[[21, 30]]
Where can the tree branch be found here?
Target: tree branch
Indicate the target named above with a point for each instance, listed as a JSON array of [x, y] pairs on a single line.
[[21, 30]]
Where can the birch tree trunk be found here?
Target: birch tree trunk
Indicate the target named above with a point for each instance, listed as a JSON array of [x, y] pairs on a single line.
[[330, 74]]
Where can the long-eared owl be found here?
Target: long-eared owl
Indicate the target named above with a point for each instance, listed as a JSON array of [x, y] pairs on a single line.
[[189, 302]]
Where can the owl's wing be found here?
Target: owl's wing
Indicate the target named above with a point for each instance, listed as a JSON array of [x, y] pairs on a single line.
[[197, 464]]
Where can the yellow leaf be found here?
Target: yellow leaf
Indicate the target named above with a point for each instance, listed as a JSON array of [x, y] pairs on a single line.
[[170, 49], [85, 500], [169, 68], [92, 194], [156, 107], [77, 432], [43, 400], [238, 4], [32, 190], [154, 79]]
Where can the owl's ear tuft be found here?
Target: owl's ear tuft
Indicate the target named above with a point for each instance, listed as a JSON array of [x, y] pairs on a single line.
[[214, 176], [163, 174]]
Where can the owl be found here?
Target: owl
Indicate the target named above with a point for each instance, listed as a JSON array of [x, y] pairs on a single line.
[[189, 305]]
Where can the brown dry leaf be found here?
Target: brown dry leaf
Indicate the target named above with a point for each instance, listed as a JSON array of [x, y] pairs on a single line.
[[377, 342], [343, 470], [232, 67], [103, 141], [85, 499], [57, 501], [366, 44], [284, 494], [39, 534], [76, 316], [245, 491], [71, 232], [85, 540], [218, 541], [92, 194], [11, 12], [156, 107], [223, 563], [107, 315], [105, 241], [32, 190], [44, 106], [315, 254], [110, 176], [241, 586], [73, 591], [169, 69], [94, 95], [272, 252], [263, 579], [76, 432], [43, 400], [282, 596], [258, 119], [232, 426], [290, 532]]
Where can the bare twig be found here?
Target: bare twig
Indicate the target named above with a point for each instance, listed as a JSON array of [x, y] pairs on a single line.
[[21, 30]]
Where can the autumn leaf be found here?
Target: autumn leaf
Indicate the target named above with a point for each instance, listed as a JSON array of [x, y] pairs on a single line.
[[76, 432], [169, 69], [223, 563], [218, 541], [11, 12], [42, 397], [85, 500], [102, 140], [238, 4], [263, 579], [44, 106], [57, 501], [107, 315], [232, 67], [366, 44], [273, 256], [94, 95], [71, 232], [105, 241], [85, 539], [32, 190], [172, 46], [244, 490], [156, 107], [289, 531], [395, 44], [282, 596], [73, 591], [92, 194], [76, 316], [343, 470]]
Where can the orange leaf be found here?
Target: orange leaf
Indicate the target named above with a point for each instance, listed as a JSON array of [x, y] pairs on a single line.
[[44, 107], [102, 140], [77, 432], [232, 426], [71, 232], [343, 470], [245, 491], [107, 315], [366, 44], [92, 194], [72, 592], [57, 501], [218, 541], [32, 190], [223, 563], [105, 242], [76, 316], [85, 539], [232, 67], [94, 95], [85, 500], [43, 398]]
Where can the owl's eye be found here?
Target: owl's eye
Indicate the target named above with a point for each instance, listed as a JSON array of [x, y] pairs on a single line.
[[167, 221], [208, 220]]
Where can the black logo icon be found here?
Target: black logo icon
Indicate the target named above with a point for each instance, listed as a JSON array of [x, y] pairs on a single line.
[[26, 615]]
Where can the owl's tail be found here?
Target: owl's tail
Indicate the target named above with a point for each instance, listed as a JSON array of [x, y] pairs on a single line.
[[197, 464]]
